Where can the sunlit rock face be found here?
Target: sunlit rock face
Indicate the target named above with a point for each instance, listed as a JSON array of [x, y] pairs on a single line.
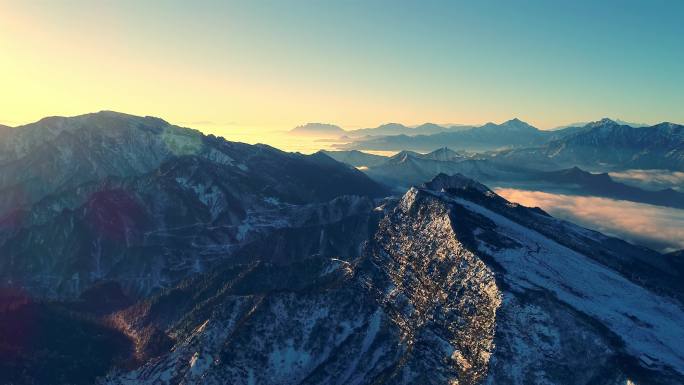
[[415, 307]]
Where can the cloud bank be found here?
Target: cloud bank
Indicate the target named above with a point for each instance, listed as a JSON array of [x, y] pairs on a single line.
[[657, 227], [651, 179]]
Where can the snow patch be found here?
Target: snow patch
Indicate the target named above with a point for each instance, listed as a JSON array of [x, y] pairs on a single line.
[[649, 325]]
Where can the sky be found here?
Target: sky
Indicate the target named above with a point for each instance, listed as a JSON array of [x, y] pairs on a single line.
[[251, 67]]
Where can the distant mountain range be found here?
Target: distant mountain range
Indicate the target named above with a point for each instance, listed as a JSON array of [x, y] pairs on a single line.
[[513, 133], [376, 134], [392, 129], [602, 146], [400, 129], [618, 121], [408, 168], [607, 145], [356, 158], [318, 129], [333, 131]]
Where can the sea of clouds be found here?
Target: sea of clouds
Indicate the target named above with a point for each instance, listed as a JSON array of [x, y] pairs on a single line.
[[651, 179], [657, 227]]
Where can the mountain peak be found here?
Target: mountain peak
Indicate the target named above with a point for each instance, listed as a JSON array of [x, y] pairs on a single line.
[[429, 125], [100, 116], [514, 124], [404, 155], [605, 122], [517, 124], [317, 128], [391, 125], [443, 182], [443, 154]]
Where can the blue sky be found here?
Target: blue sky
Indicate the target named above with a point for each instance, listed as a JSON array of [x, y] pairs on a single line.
[[274, 64]]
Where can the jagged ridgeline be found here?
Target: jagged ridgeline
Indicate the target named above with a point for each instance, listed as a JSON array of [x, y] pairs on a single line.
[[136, 252]]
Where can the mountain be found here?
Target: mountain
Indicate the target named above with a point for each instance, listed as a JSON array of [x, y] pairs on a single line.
[[513, 125], [383, 129], [45, 343], [608, 145], [408, 168], [400, 129], [456, 285], [512, 133], [59, 154], [603, 185], [656, 147], [444, 154], [600, 146], [5, 130], [118, 215], [318, 129], [356, 158], [618, 121]]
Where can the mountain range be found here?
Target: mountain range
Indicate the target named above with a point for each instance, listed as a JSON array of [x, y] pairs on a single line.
[[109, 194], [604, 145], [618, 121], [400, 129], [609, 145], [491, 136], [318, 129], [331, 130], [408, 168], [393, 129], [599, 146], [133, 251]]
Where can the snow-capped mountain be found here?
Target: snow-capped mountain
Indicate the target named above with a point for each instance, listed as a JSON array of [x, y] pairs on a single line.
[[59, 154], [618, 121], [608, 145], [512, 133], [602, 145], [408, 168], [143, 203], [456, 285]]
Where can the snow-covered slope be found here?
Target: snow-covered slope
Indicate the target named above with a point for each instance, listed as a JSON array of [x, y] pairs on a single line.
[[454, 287], [59, 154]]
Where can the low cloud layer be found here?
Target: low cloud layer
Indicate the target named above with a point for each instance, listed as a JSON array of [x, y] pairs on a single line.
[[657, 227], [651, 178]]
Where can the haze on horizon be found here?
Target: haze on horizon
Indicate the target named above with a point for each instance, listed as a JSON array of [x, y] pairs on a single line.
[[241, 69]]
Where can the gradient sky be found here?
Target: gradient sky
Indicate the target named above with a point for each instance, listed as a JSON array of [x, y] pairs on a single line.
[[254, 66]]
